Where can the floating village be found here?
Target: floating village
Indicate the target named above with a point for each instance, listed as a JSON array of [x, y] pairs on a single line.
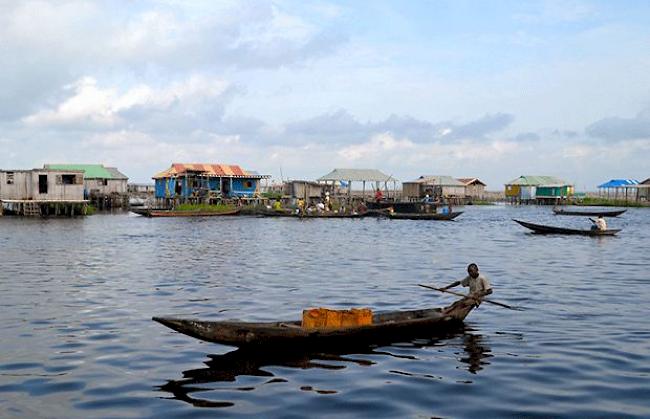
[[191, 189]]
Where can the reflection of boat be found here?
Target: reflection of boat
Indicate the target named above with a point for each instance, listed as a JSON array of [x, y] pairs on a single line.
[[424, 216], [544, 229], [152, 212], [226, 368], [605, 213], [385, 326]]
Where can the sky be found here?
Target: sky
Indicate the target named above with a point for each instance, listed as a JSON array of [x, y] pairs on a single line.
[[293, 89]]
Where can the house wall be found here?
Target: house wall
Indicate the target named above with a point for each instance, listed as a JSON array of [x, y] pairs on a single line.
[[453, 190], [297, 190], [105, 186], [20, 186], [554, 191], [244, 187], [411, 190], [513, 191], [475, 191], [26, 186]]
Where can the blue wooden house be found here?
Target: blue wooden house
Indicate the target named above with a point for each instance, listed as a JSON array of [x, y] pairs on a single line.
[[203, 182]]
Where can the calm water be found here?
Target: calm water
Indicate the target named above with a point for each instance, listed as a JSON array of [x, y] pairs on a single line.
[[78, 295]]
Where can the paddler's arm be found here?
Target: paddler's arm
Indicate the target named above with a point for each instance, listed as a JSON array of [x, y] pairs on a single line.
[[452, 285]]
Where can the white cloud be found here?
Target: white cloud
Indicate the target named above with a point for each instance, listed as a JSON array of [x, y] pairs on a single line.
[[93, 105]]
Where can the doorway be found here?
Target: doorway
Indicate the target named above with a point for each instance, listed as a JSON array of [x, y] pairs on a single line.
[[42, 184]]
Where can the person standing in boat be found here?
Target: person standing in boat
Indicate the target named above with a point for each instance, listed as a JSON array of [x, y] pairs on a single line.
[[379, 195], [478, 284], [599, 223]]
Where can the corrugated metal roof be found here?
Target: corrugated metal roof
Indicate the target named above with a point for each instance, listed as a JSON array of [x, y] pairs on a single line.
[[438, 180], [206, 169], [619, 183], [117, 174], [646, 182], [357, 175], [538, 181], [469, 180], [91, 171]]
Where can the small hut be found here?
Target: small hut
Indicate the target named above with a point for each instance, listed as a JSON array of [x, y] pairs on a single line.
[[643, 189], [42, 192], [302, 189], [370, 179], [474, 187], [617, 188], [540, 189], [435, 186]]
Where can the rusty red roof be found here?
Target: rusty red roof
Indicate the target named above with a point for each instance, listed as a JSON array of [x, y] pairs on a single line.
[[206, 169]]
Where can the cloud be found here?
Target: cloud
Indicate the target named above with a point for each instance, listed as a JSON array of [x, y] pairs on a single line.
[[526, 136], [54, 45], [620, 129], [177, 105], [340, 126]]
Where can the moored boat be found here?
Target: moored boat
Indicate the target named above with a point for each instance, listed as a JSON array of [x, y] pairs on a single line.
[[315, 214], [544, 229], [393, 326], [604, 213], [425, 216], [151, 212]]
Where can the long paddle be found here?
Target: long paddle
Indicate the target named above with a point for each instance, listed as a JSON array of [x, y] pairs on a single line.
[[463, 295]]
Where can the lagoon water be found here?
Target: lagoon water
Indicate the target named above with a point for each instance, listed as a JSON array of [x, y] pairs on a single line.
[[77, 296]]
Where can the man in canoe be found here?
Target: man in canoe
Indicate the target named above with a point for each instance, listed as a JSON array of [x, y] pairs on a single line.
[[599, 223], [478, 284]]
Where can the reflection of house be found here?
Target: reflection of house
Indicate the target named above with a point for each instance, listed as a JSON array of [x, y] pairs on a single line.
[[98, 180], [434, 186], [302, 189], [474, 188], [33, 192], [206, 181], [540, 188]]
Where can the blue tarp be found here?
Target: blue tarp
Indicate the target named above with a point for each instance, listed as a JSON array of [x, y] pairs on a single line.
[[618, 183]]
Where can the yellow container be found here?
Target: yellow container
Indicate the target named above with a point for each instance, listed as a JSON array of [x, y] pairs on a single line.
[[324, 318]]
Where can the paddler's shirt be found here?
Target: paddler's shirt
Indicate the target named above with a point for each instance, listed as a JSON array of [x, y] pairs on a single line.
[[601, 224], [476, 285]]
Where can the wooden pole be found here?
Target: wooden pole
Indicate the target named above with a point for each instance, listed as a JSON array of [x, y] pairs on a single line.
[[463, 295]]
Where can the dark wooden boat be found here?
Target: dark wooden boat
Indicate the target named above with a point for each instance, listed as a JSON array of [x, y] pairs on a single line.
[[425, 216], [395, 325], [605, 213], [151, 212], [313, 215], [543, 229]]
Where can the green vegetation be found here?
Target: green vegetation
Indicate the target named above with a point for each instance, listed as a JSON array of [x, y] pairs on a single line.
[[90, 210], [604, 202], [272, 195], [204, 208]]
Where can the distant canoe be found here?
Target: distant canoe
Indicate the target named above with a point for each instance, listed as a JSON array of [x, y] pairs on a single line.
[[396, 325], [425, 216], [605, 213], [149, 212], [543, 229]]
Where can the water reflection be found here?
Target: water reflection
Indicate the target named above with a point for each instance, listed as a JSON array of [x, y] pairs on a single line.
[[476, 353], [247, 362]]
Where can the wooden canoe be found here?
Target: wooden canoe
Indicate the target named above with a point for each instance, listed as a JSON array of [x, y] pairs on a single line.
[[393, 326], [149, 212], [424, 216], [604, 213], [313, 215], [544, 229]]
